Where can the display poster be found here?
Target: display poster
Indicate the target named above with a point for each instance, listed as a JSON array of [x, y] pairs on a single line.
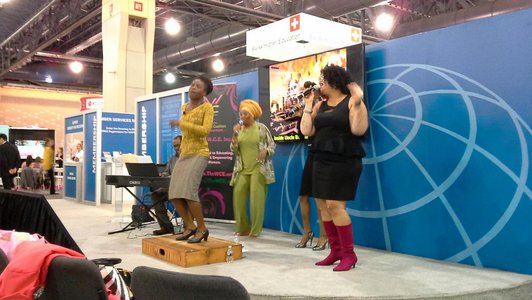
[[215, 192], [118, 132], [70, 176], [286, 83], [169, 109], [74, 124]]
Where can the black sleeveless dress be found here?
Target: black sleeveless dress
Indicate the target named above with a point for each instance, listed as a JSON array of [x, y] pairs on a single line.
[[337, 154]]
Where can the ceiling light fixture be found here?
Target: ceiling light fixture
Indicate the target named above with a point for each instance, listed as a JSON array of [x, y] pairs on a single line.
[[218, 65], [384, 22], [76, 67], [172, 27], [169, 78]]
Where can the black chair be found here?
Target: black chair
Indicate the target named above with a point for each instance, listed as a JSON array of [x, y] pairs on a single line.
[[3, 261], [150, 283], [73, 278]]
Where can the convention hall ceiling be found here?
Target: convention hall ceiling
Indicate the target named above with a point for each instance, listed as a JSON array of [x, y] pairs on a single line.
[[40, 38]]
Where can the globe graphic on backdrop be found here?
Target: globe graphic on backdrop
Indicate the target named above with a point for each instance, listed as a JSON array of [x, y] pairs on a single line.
[[430, 127]]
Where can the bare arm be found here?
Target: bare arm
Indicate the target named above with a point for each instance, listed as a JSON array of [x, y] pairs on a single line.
[[358, 113], [307, 120]]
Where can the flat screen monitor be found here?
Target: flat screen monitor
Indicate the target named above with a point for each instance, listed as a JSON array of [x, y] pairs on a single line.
[[35, 148]]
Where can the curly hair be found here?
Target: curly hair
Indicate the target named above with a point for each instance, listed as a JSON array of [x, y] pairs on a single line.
[[337, 77], [207, 82]]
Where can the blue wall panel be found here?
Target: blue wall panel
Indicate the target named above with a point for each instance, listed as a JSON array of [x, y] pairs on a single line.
[[447, 174]]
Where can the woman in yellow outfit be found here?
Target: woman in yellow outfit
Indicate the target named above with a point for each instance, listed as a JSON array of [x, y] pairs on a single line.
[[253, 147], [195, 124]]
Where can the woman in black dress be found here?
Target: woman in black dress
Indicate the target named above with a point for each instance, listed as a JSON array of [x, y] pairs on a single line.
[[337, 127]]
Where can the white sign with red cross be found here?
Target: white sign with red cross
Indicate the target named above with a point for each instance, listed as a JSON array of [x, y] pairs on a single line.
[[298, 36]]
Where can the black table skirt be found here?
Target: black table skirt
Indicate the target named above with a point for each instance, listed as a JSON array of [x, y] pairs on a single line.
[[28, 212]]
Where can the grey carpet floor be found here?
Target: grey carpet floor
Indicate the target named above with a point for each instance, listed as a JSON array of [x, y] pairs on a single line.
[[274, 269]]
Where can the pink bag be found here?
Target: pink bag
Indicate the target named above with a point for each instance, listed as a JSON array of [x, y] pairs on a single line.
[[10, 239]]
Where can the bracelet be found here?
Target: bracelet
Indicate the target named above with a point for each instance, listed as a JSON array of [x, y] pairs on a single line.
[[307, 111]]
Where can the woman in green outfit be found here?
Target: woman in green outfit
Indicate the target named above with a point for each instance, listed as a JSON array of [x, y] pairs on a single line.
[[253, 147]]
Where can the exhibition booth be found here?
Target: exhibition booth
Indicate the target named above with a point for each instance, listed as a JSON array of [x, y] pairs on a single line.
[[93, 141]]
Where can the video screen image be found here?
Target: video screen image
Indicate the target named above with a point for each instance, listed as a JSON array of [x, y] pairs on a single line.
[[286, 83]]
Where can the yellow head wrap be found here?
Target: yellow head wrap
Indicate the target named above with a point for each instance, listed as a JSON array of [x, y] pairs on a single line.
[[252, 107]]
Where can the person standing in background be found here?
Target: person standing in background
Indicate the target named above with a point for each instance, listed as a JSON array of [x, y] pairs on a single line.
[[48, 163], [253, 147], [78, 156], [305, 192], [196, 124], [9, 162], [337, 127]]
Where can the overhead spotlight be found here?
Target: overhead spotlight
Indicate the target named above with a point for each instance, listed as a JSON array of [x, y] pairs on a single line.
[[169, 78], [48, 78], [76, 67], [381, 3], [218, 65], [384, 22], [172, 27]]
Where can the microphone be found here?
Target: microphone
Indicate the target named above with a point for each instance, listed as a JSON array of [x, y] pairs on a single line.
[[306, 92], [241, 123]]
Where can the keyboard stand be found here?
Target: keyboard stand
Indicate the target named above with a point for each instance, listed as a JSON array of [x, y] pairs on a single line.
[[131, 224]]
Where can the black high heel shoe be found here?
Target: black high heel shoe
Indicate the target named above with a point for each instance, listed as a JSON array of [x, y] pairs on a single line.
[[184, 236], [303, 243], [204, 236]]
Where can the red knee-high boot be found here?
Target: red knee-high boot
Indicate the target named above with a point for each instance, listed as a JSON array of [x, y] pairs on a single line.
[[334, 242], [349, 257]]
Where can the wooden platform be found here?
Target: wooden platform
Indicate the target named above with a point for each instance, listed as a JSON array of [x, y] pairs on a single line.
[[185, 254]]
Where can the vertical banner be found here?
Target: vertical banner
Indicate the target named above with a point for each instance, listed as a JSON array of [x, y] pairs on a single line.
[[169, 108], [89, 170], [118, 132], [147, 128], [215, 192], [70, 177]]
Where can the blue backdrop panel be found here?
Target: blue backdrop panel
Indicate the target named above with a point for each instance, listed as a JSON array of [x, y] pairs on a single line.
[[169, 109], [447, 175], [447, 171], [147, 128], [89, 169]]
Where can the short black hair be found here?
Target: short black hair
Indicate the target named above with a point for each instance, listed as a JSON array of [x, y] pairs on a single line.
[[177, 137], [3, 136], [337, 77], [207, 82]]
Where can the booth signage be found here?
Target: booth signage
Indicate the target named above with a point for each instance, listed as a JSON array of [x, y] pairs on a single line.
[[89, 103], [299, 35]]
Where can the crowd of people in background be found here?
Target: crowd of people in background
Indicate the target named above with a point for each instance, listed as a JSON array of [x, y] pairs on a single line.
[[32, 173]]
